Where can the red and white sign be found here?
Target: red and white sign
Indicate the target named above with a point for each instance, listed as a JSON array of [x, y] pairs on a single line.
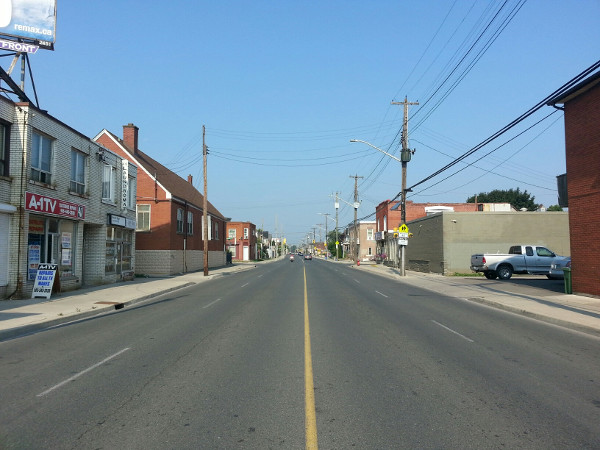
[[49, 205]]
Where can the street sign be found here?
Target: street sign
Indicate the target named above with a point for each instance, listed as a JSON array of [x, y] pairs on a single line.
[[403, 228], [403, 241]]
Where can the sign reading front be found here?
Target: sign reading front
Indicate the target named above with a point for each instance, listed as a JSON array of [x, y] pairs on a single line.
[[49, 205]]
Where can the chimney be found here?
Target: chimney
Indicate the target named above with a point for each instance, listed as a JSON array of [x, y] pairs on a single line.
[[130, 136], [190, 179]]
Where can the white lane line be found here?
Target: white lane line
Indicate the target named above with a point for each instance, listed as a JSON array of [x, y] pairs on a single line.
[[356, 280], [211, 303], [77, 375], [244, 285], [383, 295], [452, 331]]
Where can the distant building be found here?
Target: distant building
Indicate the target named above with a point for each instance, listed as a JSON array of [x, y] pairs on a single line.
[[364, 237], [388, 213], [242, 241]]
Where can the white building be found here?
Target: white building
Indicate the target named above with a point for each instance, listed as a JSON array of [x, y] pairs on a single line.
[[64, 200]]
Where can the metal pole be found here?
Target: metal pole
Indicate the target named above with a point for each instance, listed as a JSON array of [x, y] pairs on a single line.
[[205, 204]]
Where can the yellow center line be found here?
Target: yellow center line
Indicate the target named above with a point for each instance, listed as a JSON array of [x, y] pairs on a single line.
[[310, 423]]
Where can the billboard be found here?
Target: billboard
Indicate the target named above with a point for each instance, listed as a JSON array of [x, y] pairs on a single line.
[[29, 20]]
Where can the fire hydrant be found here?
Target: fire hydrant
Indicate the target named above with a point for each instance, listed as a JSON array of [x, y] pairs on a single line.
[[358, 262]]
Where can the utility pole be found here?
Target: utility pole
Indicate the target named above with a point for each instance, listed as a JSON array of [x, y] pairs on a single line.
[[326, 237], [354, 247], [405, 158], [337, 240], [205, 203]]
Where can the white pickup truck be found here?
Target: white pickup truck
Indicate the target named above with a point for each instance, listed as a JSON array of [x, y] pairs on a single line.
[[531, 259]]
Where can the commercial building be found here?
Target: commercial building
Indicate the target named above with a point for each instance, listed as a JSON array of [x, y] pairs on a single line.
[[64, 200]]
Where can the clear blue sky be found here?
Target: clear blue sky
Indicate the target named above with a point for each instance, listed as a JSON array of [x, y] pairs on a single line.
[[282, 86]]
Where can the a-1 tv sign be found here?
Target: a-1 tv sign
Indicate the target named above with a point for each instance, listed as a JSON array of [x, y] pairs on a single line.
[[54, 206]]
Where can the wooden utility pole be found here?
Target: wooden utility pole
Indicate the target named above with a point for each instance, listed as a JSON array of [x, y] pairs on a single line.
[[353, 246], [205, 203], [405, 158]]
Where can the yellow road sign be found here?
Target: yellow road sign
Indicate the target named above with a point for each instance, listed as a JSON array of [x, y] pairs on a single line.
[[403, 228]]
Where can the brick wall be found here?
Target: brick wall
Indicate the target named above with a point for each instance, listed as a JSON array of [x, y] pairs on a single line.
[[582, 136]]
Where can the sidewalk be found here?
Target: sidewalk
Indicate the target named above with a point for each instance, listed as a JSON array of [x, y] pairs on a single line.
[[19, 317], [577, 312]]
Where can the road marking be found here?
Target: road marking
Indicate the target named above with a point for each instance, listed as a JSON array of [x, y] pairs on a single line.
[[452, 331], [244, 285], [356, 280], [383, 295], [77, 375], [211, 303], [310, 420]]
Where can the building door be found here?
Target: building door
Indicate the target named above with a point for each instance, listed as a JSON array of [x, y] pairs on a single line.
[[246, 253]]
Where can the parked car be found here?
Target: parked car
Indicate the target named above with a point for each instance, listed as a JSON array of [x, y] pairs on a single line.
[[532, 259], [556, 269]]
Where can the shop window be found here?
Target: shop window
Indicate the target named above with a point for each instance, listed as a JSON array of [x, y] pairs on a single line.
[[52, 241], [4, 149], [119, 250], [108, 183], [142, 218], [190, 223], [41, 158], [179, 220], [78, 161]]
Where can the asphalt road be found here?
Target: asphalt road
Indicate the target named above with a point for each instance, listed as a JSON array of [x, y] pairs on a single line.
[[224, 365]]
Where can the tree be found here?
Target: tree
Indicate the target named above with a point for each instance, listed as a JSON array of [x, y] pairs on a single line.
[[554, 208], [516, 198]]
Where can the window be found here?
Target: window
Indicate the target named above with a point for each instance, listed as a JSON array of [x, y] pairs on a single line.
[[370, 253], [131, 193], [232, 233], [385, 223], [4, 146], [41, 158], [370, 234], [108, 183], [179, 220], [245, 233], [142, 218], [190, 223], [77, 172], [216, 228]]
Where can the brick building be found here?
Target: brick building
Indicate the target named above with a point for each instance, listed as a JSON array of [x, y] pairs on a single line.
[[242, 240], [388, 213], [169, 232], [582, 142], [64, 200]]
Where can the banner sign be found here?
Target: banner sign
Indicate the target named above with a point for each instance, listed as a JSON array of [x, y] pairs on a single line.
[[49, 205], [44, 280], [34, 20]]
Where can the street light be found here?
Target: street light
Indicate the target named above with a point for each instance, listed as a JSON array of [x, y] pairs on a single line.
[[405, 156]]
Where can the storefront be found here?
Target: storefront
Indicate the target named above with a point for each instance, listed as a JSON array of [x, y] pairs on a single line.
[[119, 246], [53, 229]]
